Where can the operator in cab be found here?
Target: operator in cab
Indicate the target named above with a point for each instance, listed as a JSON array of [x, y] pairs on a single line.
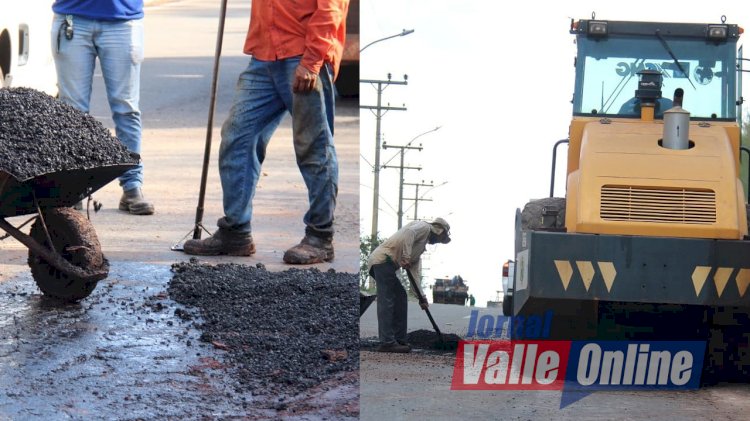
[[649, 91]]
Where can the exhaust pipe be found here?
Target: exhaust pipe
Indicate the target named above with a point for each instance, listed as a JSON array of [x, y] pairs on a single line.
[[676, 125]]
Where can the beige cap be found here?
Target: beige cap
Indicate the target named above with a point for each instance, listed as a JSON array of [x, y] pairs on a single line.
[[442, 223]]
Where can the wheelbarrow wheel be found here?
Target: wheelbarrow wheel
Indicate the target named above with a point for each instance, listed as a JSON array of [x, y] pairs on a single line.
[[73, 238]]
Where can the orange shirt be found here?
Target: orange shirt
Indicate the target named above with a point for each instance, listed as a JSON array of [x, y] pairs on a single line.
[[314, 29]]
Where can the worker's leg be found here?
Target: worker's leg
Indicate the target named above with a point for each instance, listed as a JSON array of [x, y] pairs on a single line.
[[389, 288], [75, 60], [312, 124], [400, 311], [255, 115], [120, 47], [312, 121], [256, 112]]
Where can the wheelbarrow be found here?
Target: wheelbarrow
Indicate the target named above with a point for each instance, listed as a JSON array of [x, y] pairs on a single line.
[[65, 256]]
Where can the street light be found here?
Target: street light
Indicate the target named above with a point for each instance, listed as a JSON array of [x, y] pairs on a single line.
[[400, 34], [422, 134], [412, 140]]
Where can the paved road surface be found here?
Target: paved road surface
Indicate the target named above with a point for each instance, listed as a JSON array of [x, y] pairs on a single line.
[[416, 386], [176, 80]]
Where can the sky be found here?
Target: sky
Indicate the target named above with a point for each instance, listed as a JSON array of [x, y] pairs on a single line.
[[497, 77]]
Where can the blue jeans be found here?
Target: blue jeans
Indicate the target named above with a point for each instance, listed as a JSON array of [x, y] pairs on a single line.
[[262, 98], [119, 47]]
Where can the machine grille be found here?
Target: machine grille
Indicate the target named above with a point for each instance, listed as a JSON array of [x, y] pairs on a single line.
[[669, 206]]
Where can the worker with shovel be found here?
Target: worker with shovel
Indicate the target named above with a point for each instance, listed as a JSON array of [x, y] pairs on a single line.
[[296, 50], [401, 250]]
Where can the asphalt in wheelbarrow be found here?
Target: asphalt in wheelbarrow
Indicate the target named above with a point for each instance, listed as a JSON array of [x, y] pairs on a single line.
[[41, 135]]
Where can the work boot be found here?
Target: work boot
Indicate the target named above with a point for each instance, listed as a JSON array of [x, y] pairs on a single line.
[[404, 343], [223, 241], [394, 347], [133, 202], [310, 250]]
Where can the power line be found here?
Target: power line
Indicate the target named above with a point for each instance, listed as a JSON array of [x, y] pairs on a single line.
[[366, 161], [381, 198]]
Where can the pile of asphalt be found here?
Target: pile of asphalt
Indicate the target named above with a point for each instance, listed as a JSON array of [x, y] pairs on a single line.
[[284, 332], [422, 340], [428, 339], [40, 135]]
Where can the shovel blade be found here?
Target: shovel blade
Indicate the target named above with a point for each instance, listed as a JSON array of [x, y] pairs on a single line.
[[364, 302]]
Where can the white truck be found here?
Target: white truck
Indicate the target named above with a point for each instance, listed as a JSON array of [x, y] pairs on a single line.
[[25, 46]]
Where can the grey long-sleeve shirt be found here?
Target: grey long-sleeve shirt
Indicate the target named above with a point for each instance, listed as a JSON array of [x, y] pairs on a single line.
[[404, 247]]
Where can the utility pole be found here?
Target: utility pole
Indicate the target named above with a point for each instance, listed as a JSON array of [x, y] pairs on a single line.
[[379, 111], [401, 177], [416, 198]]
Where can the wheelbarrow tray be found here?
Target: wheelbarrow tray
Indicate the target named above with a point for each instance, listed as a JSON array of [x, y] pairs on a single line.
[[53, 190], [66, 260]]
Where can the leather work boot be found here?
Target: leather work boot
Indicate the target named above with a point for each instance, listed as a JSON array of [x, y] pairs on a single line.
[[395, 348], [310, 250], [404, 343], [133, 202], [222, 242]]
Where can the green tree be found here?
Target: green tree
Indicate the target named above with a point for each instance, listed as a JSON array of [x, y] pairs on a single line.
[[366, 246]]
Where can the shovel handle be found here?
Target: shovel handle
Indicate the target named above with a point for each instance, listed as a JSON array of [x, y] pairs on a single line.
[[419, 295], [209, 129]]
